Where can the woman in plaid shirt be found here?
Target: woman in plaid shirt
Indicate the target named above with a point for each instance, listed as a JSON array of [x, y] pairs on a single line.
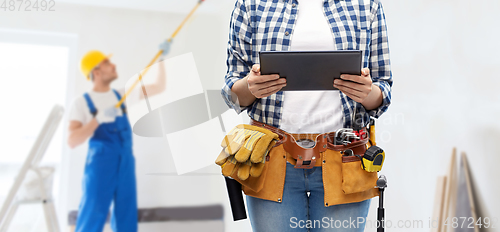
[[311, 25]]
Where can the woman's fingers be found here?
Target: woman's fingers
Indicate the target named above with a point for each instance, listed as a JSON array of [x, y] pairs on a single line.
[[365, 80], [267, 88], [271, 90], [365, 71], [352, 85], [264, 85], [349, 91], [355, 87], [256, 68], [260, 79]]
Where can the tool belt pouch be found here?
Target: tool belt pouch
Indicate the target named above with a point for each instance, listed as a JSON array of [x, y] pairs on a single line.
[[354, 178], [244, 152]]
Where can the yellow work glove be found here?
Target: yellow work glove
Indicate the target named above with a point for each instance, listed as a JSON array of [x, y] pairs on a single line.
[[244, 150]]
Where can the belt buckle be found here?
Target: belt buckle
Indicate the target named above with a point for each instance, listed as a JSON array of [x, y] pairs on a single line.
[[306, 143], [307, 150]]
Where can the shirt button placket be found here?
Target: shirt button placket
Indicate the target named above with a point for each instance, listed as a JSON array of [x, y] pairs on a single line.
[[294, 5]]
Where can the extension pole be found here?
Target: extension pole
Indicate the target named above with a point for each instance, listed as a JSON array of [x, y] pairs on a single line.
[[158, 55]]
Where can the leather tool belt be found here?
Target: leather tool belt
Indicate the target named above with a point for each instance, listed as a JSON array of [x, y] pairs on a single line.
[[307, 148]]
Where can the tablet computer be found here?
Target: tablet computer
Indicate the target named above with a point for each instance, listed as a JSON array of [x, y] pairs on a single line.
[[310, 70]]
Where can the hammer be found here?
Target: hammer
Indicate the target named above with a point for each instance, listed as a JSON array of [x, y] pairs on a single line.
[[381, 185]]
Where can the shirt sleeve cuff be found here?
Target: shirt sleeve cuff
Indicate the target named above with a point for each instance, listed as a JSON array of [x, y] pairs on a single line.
[[228, 97], [385, 88]]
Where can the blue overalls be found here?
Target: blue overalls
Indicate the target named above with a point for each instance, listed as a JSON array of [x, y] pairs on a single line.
[[109, 176]]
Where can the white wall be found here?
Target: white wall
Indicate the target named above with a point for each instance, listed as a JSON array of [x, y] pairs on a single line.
[[445, 94], [36, 58], [444, 60]]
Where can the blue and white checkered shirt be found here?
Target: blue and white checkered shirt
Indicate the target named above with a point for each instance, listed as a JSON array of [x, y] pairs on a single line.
[[267, 25]]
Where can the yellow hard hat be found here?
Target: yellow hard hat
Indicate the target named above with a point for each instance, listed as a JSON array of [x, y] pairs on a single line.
[[90, 61]]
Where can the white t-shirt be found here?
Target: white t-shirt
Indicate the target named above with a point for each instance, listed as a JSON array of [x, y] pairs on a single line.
[[80, 111], [312, 111]]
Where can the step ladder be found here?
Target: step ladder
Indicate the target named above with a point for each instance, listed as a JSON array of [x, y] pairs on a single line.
[[40, 185]]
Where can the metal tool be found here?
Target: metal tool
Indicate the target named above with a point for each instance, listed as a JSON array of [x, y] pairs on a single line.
[[306, 143], [381, 185], [343, 136]]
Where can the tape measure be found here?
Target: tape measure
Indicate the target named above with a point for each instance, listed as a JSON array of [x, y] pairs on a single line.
[[373, 159]]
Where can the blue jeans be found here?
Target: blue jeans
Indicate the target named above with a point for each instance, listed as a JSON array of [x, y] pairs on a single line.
[[302, 208]]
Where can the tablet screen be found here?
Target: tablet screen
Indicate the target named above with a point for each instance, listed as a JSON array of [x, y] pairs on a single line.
[[310, 70]]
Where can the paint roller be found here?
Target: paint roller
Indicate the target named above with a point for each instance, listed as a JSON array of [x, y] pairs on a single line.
[[158, 54]]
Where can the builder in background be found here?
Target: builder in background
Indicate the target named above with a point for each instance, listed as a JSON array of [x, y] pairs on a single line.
[[110, 167]]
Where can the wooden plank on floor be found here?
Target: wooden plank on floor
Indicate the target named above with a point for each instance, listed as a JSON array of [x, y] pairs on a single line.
[[436, 219]]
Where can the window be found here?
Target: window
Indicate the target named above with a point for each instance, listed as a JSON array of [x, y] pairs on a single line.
[[33, 72]]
